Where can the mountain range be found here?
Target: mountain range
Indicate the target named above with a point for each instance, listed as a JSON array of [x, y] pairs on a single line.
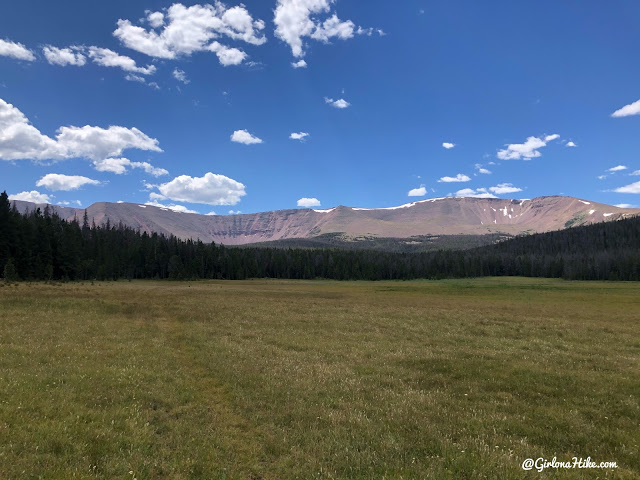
[[435, 216]]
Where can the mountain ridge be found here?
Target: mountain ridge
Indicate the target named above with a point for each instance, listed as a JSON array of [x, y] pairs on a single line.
[[434, 216]]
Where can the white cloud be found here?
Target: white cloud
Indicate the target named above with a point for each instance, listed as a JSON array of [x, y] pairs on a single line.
[[109, 58], [211, 214], [627, 110], [211, 189], [632, 188], [571, 144], [418, 192], [132, 77], [150, 169], [299, 136], [234, 212], [56, 182], [99, 143], [227, 55], [173, 206], [64, 56], [298, 19], [637, 172], [155, 19], [120, 166], [478, 193], [243, 136], [299, 64], [448, 145], [601, 177], [15, 50], [527, 150], [340, 103], [33, 196], [185, 30], [112, 165], [156, 196], [458, 178], [181, 76], [619, 168], [22, 141], [482, 170], [504, 188], [308, 202], [625, 205]]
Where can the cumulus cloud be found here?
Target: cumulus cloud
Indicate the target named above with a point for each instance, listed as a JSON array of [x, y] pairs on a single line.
[[632, 188], [59, 182], [155, 19], [526, 150], [172, 206], [15, 50], [64, 56], [571, 144], [458, 178], [227, 55], [418, 192], [308, 202], [627, 110], [120, 166], [340, 103], [299, 64], [448, 145], [99, 143], [302, 136], [185, 30], [637, 172], [22, 141], [211, 189], [504, 188], [618, 168], [109, 58], [482, 170], [296, 20], [132, 77], [32, 196], [181, 76], [243, 136], [477, 193]]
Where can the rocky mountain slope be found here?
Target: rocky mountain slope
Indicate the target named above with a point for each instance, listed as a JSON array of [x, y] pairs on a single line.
[[436, 216]]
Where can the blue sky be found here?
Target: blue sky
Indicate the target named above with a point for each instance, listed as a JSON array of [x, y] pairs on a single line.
[[193, 104]]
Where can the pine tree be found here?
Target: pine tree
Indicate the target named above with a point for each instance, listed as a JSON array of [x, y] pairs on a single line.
[[10, 273]]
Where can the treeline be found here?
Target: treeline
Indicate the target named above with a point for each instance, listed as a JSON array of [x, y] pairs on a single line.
[[40, 245], [415, 244]]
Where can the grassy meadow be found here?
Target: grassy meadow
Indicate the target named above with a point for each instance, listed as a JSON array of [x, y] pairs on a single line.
[[290, 379]]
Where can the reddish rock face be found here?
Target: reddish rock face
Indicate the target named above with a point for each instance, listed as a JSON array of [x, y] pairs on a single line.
[[441, 216]]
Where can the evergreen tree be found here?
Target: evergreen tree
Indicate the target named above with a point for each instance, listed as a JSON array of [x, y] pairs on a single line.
[[10, 273]]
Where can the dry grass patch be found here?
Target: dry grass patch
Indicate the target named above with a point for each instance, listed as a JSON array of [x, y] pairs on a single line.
[[281, 379]]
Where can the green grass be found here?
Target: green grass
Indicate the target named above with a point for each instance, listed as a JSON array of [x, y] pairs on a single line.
[[283, 379]]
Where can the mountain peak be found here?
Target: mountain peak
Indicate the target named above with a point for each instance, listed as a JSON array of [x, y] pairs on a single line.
[[431, 216]]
